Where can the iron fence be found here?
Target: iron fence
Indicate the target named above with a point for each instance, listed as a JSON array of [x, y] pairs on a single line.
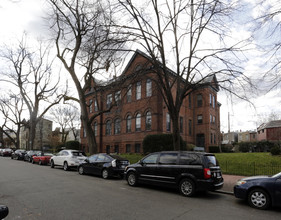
[[249, 169]]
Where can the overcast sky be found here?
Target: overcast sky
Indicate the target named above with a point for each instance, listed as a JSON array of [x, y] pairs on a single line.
[[25, 15]]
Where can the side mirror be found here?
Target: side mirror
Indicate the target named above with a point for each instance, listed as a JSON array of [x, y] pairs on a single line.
[[4, 211], [87, 160]]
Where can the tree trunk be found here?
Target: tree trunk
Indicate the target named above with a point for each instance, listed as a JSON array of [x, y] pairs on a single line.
[[176, 132]]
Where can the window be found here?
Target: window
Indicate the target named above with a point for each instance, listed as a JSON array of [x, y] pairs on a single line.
[[168, 122], [108, 128], [181, 124], [93, 158], [148, 88], [129, 94], [96, 105], [211, 138], [211, 98], [108, 100], [190, 159], [214, 119], [148, 121], [128, 148], [214, 102], [108, 149], [199, 100], [137, 148], [168, 158], [96, 128], [138, 91], [138, 122], [214, 138], [116, 149], [117, 126], [211, 118], [118, 97], [91, 106], [151, 159], [189, 127], [199, 119], [129, 123]]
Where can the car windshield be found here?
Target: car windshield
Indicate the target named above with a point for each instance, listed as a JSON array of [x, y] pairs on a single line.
[[212, 161], [277, 175], [77, 153]]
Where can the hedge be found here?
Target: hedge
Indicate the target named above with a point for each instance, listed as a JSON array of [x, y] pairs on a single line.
[[160, 142]]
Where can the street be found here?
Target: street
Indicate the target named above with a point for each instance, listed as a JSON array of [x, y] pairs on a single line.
[[39, 192]]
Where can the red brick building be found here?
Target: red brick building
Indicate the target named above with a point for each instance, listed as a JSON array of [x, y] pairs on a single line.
[[270, 131], [140, 111]]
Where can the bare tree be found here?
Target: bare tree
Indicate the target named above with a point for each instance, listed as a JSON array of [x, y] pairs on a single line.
[[86, 47], [65, 116], [30, 71], [190, 37], [11, 108]]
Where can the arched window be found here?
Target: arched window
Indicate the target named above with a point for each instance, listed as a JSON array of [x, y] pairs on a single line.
[[148, 121], [129, 123], [148, 88], [117, 126], [96, 128], [108, 128], [138, 122]]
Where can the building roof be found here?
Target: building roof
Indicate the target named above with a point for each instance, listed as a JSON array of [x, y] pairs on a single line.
[[271, 124]]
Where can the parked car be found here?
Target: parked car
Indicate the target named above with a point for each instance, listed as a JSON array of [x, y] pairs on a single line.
[[4, 211], [260, 191], [68, 159], [41, 158], [29, 154], [105, 165], [189, 171], [18, 154], [7, 152]]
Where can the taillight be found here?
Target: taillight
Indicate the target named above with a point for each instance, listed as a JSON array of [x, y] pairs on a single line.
[[207, 173]]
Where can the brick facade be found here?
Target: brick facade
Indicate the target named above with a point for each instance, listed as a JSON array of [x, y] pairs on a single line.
[[149, 113]]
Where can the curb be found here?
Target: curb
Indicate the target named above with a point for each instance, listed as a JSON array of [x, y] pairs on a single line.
[[225, 192]]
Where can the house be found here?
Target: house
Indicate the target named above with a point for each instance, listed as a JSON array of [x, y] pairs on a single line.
[[270, 131], [42, 135], [247, 136], [141, 111], [230, 138]]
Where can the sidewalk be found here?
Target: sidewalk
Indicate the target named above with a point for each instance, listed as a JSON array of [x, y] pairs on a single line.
[[229, 182]]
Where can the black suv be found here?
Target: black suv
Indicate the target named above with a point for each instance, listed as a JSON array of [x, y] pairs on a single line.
[[189, 171]]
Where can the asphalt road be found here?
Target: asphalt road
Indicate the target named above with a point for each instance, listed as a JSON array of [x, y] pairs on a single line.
[[39, 192]]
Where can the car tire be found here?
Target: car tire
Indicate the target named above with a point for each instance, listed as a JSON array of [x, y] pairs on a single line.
[[81, 170], [65, 166], [132, 179], [259, 199], [52, 164], [105, 174], [187, 187]]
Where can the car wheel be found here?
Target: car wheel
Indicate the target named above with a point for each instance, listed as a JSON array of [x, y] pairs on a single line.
[[81, 170], [65, 166], [259, 199], [187, 187], [105, 174], [132, 179], [52, 164]]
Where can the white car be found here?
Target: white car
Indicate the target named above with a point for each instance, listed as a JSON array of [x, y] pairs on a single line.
[[67, 159]]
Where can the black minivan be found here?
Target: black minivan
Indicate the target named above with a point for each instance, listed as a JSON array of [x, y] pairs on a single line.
[[189, 171]]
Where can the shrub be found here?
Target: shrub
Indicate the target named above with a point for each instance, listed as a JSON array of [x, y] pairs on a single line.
[[275, 150], [74, 145], [214, 149], [160, 142], [190, 147], [244, 147]]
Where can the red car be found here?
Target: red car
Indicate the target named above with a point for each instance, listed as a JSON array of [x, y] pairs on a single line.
[[42, 158]]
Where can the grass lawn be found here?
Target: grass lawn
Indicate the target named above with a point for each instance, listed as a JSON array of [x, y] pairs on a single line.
[[133, 158], [249, 164]]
